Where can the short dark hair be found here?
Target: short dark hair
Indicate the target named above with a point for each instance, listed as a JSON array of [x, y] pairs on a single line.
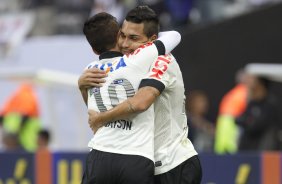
[[144, 14], [45, 134], [101, 32]]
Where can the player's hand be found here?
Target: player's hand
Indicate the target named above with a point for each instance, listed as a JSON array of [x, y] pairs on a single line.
[[93, 120], [92, 77]]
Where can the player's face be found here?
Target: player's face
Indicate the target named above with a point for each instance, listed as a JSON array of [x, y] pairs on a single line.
[[131, 36]]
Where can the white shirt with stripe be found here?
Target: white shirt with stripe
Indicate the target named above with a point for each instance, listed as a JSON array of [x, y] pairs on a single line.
[[172, 147]]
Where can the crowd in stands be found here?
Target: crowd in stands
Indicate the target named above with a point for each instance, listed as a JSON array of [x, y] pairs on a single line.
[[20, 126], [249, 118], [67, 16]]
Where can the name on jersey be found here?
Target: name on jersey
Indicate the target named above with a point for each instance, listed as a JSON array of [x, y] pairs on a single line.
[[109, 67], [160, 66], [122, 124]]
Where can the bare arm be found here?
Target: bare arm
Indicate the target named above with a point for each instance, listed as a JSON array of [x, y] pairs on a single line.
[[90, 78], [140, 102]]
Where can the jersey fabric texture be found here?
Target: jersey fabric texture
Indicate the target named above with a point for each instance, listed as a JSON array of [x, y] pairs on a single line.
[[133, 135], [172, 147]]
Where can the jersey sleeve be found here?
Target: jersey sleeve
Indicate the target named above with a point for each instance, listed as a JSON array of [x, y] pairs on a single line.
[[170, 39], [160, 75]]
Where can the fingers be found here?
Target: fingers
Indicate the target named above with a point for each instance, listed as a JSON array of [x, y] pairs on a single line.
[[91, 117], [89, 113], [92, 77], [92, 126], [95, 80], [91, 84], [91, 120], [96, 70], [95, 75]]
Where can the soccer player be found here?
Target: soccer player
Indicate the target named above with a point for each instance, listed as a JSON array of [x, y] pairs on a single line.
[[122, 150], [176, 160]]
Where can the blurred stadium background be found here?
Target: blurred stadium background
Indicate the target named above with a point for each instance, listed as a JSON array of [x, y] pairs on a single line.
[[42, 47]]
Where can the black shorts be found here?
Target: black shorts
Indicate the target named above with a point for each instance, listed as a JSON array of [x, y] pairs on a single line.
[[111, 168], [189, 172]]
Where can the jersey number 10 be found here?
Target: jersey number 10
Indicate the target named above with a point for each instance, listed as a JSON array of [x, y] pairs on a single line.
[[113, 94]]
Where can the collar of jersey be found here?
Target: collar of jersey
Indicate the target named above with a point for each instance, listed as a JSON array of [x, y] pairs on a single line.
[[110, 54]]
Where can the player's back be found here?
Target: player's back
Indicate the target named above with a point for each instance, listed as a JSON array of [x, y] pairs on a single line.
[[172, 146], [121, 83], [133, 135]]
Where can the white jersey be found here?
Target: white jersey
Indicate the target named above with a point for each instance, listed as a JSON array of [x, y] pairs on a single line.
[[134, 135], [172, 147]]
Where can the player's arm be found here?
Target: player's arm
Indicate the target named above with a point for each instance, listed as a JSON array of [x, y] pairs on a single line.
[[140, 102], [150, 88], [90, 78]]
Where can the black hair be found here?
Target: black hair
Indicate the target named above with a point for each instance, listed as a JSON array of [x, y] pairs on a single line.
[[101, 32], [44, 134], [144, 14]]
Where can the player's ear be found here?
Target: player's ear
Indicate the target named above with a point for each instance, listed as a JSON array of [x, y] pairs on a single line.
[[153, 38]]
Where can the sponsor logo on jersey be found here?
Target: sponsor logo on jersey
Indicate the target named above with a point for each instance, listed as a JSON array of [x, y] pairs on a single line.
[[109, 67], [160, 66]]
